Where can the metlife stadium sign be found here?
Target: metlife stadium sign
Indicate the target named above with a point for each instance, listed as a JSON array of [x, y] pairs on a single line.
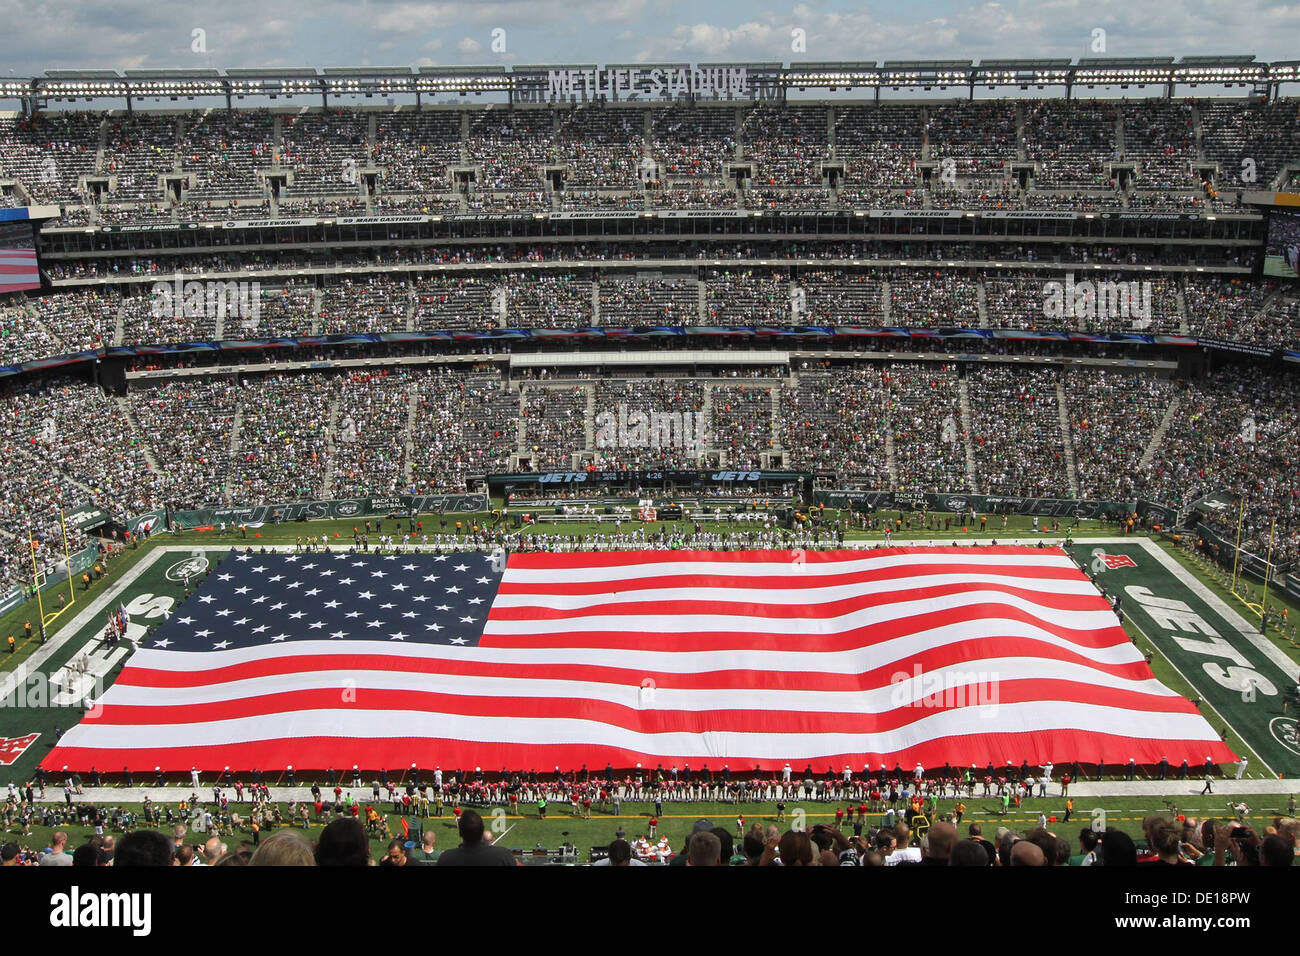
[[621, 84]]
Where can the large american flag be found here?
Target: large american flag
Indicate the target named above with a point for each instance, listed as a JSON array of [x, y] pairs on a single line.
[[934, 655]]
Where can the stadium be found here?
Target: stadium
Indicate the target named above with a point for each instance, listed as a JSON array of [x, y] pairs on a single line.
[[654, 444]]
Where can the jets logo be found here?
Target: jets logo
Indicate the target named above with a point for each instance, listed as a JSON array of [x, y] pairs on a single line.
[[11, 748], [1101, 561], [195, 564], [1286, 732]]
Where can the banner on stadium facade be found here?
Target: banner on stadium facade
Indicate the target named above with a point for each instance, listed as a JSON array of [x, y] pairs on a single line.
[[915, 214], [147, 523], [1241, 348], [341, 508], [703, 214], [56, 572], [154, 227], [592, 213], [666, 84], [679, 477], [605, 501], [1219, 506], [11, 600], [85, 517], [380, 220], [607, 333], [1156, 513], [1151, 216], [1056, 507], [1027, 214], [269, 223]]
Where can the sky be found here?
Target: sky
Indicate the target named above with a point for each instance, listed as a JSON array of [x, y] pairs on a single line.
[[40, 35]]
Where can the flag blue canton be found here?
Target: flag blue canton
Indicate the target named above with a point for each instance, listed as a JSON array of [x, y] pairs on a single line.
[[252, 600]]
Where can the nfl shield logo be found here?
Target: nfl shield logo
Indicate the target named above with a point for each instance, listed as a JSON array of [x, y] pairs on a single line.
[[11, 748]]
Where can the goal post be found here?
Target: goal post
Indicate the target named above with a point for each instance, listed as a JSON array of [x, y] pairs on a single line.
[[39, 577]]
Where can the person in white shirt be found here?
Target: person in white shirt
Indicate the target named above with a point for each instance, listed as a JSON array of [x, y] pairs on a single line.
[[909, 854], [194, 777]]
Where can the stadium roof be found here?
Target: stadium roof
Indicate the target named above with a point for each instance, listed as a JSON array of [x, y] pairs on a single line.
[[531, 80]]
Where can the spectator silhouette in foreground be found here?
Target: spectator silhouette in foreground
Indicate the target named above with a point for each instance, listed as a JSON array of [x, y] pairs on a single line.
[[343, 843], [144, 848], [474, 850]]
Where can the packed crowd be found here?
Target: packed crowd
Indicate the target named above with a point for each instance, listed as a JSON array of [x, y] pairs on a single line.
[[671, 446], [1113, 418], [877, 155], [393, 294], [1016, 432], [466, 423], [1237, 431], [370, 436], [262, 437]]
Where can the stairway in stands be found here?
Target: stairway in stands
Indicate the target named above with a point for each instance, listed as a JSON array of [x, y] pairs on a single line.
[[235, 426], [1158, 436], [1067, 442], [327, 485], [963, 393]]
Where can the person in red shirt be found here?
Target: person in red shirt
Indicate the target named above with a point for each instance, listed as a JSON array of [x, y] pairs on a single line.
[[654, 825], [839, 816]]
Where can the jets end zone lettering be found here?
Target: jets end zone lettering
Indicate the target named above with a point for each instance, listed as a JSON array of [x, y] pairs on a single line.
[[1176, 616]]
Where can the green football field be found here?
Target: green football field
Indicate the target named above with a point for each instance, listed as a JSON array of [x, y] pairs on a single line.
[[1200, 647]]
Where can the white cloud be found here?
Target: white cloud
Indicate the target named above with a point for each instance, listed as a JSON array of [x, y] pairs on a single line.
[[119, 34]]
